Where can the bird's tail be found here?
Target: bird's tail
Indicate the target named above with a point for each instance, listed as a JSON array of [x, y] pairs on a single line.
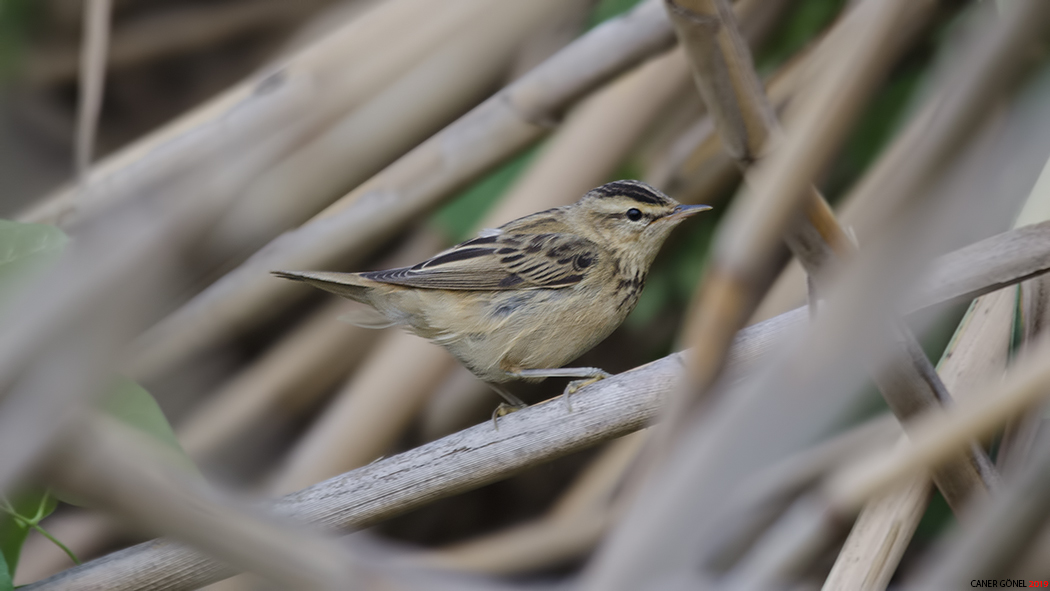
[[348, 285]]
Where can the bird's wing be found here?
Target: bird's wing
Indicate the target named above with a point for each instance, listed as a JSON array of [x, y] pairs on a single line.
[[501, 261]]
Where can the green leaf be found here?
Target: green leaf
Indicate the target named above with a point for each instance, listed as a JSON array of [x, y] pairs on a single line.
[[26, 249], [798, 27], [131, 404], [607, 9], [6, 576], [17, 516]]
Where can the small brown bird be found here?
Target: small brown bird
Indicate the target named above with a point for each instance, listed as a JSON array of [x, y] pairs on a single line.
[[520, 301]]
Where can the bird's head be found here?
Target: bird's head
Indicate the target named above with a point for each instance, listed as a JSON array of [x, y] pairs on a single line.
[[631, 217]]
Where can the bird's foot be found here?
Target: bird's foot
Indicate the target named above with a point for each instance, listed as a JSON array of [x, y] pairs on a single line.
[[503, 410], [575, 386]]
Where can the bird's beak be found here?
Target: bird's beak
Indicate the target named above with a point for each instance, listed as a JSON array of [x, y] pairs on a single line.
[[684, 211]]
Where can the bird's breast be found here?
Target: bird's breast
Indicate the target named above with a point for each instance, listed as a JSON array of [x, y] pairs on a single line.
[[627, 285]]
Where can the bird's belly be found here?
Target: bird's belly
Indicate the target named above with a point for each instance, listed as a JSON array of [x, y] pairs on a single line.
[[500, 332]]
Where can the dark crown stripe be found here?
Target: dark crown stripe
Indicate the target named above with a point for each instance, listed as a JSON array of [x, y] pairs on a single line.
[[638, 191]]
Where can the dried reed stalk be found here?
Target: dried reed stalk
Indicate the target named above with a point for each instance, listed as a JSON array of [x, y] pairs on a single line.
[[288, 379], [572, 526], [170, 33], [125, 472], [1034, 310], [884, 527], [92, 81], [811, 375], [455, 75], [315, 82], [62, 335], [724, 74], [362, 422], [292, 374], [1000, 534], [747, 243], [939, 434]]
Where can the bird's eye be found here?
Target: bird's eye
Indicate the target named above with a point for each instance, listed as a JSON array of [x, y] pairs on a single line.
[[634, 215]]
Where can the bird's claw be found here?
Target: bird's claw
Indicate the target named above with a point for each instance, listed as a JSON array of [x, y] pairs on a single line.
[[575, 386], [503, 410]]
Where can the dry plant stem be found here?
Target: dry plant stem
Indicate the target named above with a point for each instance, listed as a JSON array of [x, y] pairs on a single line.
[[371, 411], [1034, 310], [879, 537], [173, 32], [863, 211], [813, 374], [796, 538], [465, 460], [458, 73], [802, 468], [289, 378], [722, 70], [1001, 533], [1036, 559], [127, 473], [569, 529], [884, 527], [746, 245], [362, 423], [966, 172], [980, 347], [940, 434], [100, 294], [507, 122], [546, 542], [291, 375], [80, 531], [64, 332], [1020, 435], [696, 164], [316, 82], [730, 87], [92, 80], [909, 388]]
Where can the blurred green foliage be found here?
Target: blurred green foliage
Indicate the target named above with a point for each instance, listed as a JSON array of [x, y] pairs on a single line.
[[131, 404], [17, 18], [879, 122], [607, 9], [802, 23], [937, 518], [26, 250], [19, 513], [6, 584]]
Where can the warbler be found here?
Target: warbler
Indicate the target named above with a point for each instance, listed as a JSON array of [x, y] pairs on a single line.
[[520, 301]]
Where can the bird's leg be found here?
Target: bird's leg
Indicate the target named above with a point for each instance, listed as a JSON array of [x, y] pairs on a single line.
[[589, 375], [512, 403]]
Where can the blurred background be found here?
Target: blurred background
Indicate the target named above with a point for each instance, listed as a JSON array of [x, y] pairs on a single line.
[[281, 397]]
